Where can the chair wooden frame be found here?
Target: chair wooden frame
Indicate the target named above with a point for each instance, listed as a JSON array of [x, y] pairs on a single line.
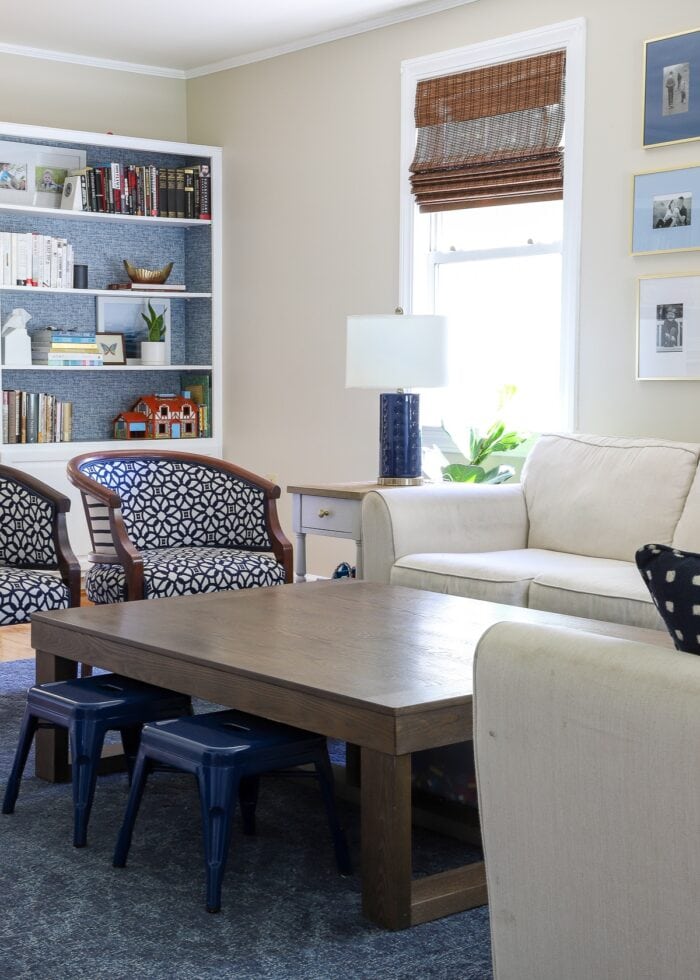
[[110, 540], [66, 562]]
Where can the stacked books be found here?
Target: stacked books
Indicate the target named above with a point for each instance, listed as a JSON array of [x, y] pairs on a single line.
[[74, 350], [41, 345], [30, 259], [165, 192], [29, 416]]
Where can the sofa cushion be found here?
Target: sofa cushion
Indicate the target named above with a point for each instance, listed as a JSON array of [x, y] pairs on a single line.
[[601, 588], [497, 576], [687, 534], [602, 497], [673, 579]]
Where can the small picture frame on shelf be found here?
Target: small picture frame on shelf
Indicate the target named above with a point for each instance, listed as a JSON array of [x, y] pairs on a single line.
[[671, 89], [121, 314], [664, 216], [668, 328], [32, 175], [112, 348]]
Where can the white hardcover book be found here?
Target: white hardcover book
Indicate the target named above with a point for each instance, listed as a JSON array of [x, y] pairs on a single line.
[[46, 278], [13, 258], [70, 261], [37, 257]]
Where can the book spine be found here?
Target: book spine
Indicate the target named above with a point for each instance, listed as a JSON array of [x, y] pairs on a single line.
[[172, 209], [5, 417], [12, 416], [163, 192], [180, 193], [204, 193], [66, 421], [155, 201]]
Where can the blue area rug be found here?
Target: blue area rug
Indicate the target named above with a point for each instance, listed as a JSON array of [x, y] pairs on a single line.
[[66, 914]]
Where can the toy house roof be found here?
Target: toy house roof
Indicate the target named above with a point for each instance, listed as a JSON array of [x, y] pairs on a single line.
[[174, 402]]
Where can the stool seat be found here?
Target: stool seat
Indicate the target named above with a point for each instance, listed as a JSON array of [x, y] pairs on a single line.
[[227, 751], [89, 707]]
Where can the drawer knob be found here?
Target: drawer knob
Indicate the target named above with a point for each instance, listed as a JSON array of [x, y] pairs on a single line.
[[323, 512]]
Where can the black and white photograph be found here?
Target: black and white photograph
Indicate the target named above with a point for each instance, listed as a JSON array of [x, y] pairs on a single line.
[[669, 327], [672, 211], [675, 95]]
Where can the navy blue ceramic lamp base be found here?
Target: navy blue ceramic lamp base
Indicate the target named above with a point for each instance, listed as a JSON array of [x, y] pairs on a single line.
[[400, 461]]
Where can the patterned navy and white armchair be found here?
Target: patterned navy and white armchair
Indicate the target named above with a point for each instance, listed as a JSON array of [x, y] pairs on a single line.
[[167, 523], [38, 570]]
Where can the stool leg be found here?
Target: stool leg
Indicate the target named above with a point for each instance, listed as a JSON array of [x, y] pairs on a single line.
[[86, 740], [30, 723], [248, 798], [131, 739], [218, 788], [142, 767], [340, 844]]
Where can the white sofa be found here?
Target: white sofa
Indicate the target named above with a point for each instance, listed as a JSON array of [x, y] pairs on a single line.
[[562, 540], [589, 790]]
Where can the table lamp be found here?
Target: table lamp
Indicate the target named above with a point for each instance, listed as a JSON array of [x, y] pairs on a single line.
[[397, 351]]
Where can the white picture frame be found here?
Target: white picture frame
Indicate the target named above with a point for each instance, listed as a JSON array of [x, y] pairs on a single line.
[[668, 328], [122, 314], [32, 175]]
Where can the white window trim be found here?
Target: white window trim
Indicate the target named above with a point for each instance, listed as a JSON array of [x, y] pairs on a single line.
[[569, 35]]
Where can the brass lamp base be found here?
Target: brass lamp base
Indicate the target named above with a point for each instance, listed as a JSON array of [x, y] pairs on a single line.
[[400, 481]]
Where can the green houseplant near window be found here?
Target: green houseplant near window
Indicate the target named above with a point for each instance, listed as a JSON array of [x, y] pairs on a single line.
[[495, 440], [153, 349]]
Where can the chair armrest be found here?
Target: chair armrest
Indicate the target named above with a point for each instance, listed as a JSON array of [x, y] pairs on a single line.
[[66, 561], [111, 543], [449, 518]]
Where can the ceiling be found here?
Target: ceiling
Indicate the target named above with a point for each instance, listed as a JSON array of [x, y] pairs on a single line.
[[181, 39]]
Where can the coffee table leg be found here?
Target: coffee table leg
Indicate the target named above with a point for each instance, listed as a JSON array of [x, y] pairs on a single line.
[[386, 838], [51, 743]]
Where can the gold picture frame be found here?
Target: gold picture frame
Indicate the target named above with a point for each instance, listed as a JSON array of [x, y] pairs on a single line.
[[671, 89], [668, 327]]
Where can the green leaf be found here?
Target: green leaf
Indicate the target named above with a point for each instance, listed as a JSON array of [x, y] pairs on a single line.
[[463, 473], [499, 474]]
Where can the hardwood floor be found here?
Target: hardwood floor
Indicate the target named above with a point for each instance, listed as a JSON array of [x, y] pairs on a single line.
[[14, 643]]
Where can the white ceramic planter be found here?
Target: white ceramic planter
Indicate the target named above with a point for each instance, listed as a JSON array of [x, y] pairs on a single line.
[[153, 352]]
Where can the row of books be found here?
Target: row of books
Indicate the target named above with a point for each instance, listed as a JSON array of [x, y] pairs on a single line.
[[35, 417], [31, 259], [166, 192]]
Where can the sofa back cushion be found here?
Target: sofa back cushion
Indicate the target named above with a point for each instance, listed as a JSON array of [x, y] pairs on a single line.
[[687, 533], [591, 495]]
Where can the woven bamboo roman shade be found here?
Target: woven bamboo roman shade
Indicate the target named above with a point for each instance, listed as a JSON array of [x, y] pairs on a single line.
[[490, 136]]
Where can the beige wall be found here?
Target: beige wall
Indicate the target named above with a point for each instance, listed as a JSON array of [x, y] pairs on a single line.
[[51, 93]]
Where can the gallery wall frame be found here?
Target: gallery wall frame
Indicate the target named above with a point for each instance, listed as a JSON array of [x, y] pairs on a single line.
[[664, 218], [32, 175], [671, 89], [668, 328]]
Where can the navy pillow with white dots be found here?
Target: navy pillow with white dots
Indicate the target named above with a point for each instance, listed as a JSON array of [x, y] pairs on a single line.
[[673, 579]]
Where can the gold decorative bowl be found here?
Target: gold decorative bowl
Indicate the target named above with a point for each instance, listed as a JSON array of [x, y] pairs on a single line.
[[148, 275]]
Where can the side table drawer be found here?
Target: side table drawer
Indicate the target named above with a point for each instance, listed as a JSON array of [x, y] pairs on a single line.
[[332, 514]]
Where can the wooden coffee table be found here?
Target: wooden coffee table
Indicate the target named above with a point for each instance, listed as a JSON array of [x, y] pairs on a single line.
[[386, 668]]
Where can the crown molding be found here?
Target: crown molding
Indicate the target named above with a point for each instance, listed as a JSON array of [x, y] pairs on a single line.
[[88, 61], [372, 24]]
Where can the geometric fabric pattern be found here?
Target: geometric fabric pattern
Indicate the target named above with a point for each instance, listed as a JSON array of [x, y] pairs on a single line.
[[26, 528], [673, 579], [23, 592], [186, 571], [170, 503]]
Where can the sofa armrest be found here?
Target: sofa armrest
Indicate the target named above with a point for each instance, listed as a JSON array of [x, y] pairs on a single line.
[[450, 518], [569, 728]]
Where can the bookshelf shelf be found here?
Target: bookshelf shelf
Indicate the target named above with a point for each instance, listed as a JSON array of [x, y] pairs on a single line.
[[116, 367], [114, 293], [102, 241], [100, 216]]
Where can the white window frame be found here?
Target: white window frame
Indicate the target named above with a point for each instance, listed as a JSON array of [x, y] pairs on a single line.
[[569, 36]]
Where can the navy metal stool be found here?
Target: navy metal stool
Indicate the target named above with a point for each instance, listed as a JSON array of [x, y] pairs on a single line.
[[89, 707], [227, 751]]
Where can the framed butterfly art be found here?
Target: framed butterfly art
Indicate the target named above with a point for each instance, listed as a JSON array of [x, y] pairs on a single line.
[[111, 347]]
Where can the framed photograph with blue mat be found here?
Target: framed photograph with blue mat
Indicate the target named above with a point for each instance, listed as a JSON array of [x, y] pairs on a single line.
[[668, 328], [672, 89], [663, 210]]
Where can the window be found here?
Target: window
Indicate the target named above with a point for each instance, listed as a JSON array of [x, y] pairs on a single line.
[[505, 274]]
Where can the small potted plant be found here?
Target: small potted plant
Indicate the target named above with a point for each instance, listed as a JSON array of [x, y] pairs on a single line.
[[153, 349]]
